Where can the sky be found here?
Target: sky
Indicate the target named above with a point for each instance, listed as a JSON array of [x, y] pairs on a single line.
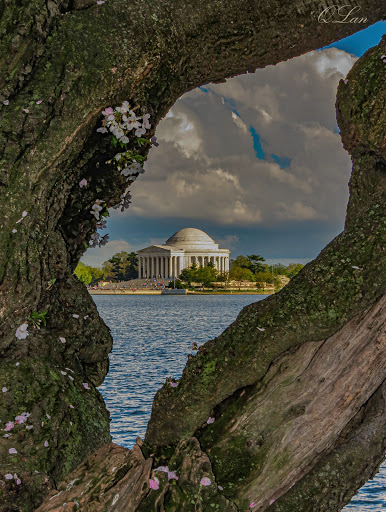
[[256, 162]]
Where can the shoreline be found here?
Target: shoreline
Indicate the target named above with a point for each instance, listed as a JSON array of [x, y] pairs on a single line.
[[158, 292]]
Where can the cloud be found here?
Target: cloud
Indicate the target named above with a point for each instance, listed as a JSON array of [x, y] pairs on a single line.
[[296, 211], [206, 167], [95, 257], [230, 242]]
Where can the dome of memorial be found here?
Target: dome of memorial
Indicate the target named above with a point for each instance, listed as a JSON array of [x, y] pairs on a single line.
[[192, 237]]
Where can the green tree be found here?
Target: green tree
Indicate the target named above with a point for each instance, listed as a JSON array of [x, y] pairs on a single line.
[[206, 275], [122, 266], [223, 277], [241, 261], [256, 264], [279, 269], [241, 274], [264, 277], [87, 274], [293, 269], [189, 274]]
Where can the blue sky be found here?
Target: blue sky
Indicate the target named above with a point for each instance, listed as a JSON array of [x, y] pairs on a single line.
[[256, 162]]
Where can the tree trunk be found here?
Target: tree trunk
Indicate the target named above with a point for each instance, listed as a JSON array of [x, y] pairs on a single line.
[[321, 356]]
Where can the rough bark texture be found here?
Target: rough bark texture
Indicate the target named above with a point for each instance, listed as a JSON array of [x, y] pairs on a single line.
[[265, 388]]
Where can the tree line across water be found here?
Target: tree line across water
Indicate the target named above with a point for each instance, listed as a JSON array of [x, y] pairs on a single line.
[[123, 266]]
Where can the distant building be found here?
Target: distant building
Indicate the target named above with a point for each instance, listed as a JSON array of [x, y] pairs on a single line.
[[187, 246]]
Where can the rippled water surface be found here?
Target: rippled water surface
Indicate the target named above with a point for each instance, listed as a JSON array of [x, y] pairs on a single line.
[[152, 338]]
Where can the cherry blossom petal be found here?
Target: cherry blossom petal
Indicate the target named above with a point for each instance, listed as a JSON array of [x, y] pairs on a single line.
[[271, 502], [85, 385], [154, 484], [210, 420], [39, 101], [9, 426], [220, 488], [83, 183], [46, 444], [75, 316], [21, 332], [173, 384], [4, 390], [261, 329], [8, 476], [205, 481], [12, 451], [164, 469], [18, 481], [172, 475], [253, 504], [63, 340]]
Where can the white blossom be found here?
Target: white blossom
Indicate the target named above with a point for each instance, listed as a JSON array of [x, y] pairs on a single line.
[[21, 332]]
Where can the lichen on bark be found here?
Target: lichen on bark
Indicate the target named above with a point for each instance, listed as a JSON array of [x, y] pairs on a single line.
[[77, 59]]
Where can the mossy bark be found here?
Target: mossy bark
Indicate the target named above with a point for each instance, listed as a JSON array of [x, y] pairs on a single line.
[[77, 58]]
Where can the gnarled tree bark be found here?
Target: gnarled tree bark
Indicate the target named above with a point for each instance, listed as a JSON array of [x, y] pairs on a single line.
[[322, 351]]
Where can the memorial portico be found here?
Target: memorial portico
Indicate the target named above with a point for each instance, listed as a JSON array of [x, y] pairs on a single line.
[[183, 249]]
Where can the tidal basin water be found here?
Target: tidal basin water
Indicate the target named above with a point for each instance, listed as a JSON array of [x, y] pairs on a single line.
[[153, 336]]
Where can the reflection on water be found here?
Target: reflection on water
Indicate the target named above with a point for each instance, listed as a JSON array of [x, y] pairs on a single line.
[[152, 338]]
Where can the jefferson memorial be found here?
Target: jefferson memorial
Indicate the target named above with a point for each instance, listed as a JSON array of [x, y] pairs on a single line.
[[187, 246]]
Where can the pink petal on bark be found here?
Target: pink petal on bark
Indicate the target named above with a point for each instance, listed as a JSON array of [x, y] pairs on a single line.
[[12, 450], [205, 481], [164, 469], [154, 484]]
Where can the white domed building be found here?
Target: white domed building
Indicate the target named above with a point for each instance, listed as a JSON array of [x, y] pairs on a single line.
[[181, 250]]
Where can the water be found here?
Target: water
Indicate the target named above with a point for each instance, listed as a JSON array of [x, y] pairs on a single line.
[[152, 339]]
